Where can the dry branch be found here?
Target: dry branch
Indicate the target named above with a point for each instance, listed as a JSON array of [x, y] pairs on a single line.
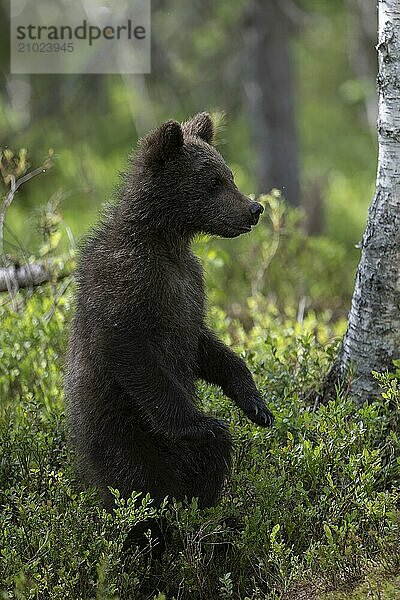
[[31, 275], [25, 276]]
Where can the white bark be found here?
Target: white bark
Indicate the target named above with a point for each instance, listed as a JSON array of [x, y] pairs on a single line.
[[372, 340], [28, 275]]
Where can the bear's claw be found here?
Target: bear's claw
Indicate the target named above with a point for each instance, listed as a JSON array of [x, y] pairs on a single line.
[[205, 430], [257, 412]]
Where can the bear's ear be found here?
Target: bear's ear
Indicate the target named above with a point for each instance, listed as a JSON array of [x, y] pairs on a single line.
[[200, 125], [162, 143]]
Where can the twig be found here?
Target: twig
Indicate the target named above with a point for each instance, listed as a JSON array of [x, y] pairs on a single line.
[[270, 251], [9, 197], [57, 299], [8, 273]]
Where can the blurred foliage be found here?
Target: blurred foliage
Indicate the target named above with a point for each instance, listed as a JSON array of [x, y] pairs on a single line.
[[12, 165], [277, 263], [199, 63], [315, 498], [281, 264]]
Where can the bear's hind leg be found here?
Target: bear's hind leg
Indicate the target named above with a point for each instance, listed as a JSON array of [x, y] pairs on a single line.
[[208, 466]]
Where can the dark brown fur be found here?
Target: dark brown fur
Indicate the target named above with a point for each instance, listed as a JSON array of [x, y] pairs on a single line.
[[139, 339]]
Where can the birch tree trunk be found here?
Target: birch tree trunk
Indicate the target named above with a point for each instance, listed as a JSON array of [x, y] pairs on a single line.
[[372, 340]]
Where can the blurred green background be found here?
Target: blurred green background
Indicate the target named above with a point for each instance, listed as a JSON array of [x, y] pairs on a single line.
[[296, 79]]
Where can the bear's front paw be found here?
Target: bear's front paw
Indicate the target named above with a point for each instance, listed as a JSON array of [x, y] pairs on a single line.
[[256, 410], [206, 430]]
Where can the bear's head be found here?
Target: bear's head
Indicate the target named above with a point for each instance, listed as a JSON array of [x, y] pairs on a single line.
[[188, 187]]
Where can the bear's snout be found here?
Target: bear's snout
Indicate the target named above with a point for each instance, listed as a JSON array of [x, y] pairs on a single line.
[[256, 210]]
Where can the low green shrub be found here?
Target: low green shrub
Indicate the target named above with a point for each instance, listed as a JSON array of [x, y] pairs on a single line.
[[311, 502]]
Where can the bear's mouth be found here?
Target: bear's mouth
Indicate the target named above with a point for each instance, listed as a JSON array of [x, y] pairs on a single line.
[[235, 230], [241, 229]]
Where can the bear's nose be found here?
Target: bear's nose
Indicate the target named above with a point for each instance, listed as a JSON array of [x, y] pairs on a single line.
[[256, 210]]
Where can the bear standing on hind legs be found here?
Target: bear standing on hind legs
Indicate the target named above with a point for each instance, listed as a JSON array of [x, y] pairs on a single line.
[[139, 339]]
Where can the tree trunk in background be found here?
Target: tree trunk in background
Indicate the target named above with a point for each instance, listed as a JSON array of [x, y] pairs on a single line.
[[362, 55], [372, 340], [270, 96]]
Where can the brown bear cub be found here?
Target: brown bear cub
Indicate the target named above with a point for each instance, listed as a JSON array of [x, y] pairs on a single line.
[[139, 339]]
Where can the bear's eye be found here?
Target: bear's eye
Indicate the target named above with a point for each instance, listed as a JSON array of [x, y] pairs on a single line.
[[216, 182]]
